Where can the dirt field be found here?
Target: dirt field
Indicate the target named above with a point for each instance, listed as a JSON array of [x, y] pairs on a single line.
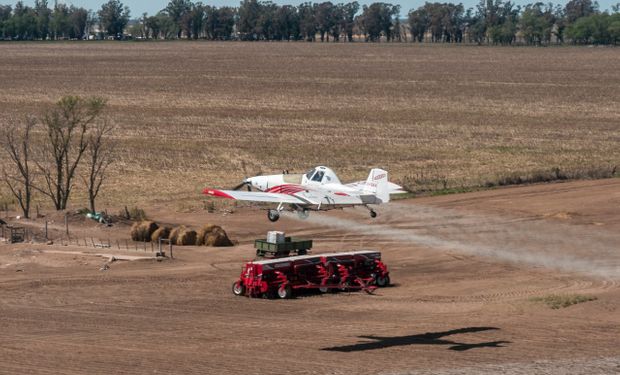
[[465, 268], [192, 112]]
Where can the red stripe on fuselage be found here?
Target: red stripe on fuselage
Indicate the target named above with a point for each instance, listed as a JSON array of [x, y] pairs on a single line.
[[286, 189]]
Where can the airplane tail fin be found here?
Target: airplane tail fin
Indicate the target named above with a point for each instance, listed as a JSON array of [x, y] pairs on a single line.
[[377, 185]]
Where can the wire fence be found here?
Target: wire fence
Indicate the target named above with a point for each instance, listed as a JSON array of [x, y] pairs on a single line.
[[16, 234]]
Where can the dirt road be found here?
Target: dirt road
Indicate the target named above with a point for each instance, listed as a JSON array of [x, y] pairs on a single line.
[[465, 269]]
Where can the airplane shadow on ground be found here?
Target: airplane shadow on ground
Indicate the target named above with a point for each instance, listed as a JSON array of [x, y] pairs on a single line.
[[429, 338]]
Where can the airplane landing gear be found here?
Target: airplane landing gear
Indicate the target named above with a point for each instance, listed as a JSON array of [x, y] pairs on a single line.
[[273, 215]]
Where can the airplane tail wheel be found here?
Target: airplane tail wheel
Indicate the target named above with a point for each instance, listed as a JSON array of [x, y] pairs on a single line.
[[303, 214], [273, 215], [373, 214]]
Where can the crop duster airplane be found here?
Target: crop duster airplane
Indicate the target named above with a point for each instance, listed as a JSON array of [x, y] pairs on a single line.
[[319, 189]]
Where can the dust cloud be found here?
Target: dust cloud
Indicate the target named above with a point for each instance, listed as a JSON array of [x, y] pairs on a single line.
[[530, 240]]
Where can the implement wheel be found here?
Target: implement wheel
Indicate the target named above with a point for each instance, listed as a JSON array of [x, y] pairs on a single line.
[[238, 288], [285, 291], [382, 281]]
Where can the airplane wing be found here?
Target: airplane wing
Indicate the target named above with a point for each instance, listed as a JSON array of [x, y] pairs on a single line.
[[256, 196]]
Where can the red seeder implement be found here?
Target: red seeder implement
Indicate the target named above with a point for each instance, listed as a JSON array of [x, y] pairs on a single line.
[[356, 270]]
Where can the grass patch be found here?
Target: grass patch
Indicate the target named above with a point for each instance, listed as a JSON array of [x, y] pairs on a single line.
[[423, 185], [558, 301], [554, 174], [457, 190]]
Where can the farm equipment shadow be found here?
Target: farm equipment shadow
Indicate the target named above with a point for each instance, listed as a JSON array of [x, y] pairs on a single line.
[[429, 338]]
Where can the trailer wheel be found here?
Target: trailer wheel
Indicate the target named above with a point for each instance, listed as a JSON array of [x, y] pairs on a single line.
[[285, 291], [238, 288], [382, 281]]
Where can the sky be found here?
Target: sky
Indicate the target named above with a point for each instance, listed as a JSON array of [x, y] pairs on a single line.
[[151, 7]]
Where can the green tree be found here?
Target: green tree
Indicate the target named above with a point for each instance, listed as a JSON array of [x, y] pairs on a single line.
[[596, 29], [576, 9], [325, 19], [266, 23], [286, 23], [5, 21], [179, 12], [113, 17], [307, 21], [43, 15], [349, 10], [614, 27], [249, 15], [24, 22], [418, 23], [78, 20], [195, 20], [59, 23], [536, 23], [377, 19], [219, 22]]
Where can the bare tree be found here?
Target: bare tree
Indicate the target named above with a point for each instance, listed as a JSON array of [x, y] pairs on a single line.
[[99, 156], [15, 142], [67, 126]]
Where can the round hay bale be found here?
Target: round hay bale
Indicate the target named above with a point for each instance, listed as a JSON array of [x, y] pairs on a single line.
[[162, 232], [213, 235], [174, 234], [142, 231], [186, 237], [202, 234]]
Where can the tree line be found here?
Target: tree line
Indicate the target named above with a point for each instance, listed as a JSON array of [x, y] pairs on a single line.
[[491, 21]]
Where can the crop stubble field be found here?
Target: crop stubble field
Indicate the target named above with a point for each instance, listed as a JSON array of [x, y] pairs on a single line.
[[468, 268], [194, 111]]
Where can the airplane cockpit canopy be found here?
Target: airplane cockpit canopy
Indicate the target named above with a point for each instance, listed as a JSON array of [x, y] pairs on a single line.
[[322, 175]]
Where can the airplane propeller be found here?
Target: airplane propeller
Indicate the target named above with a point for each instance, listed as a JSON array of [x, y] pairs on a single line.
[[244, 183]]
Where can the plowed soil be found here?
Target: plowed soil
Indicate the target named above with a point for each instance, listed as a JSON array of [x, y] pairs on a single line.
[[465, 270]]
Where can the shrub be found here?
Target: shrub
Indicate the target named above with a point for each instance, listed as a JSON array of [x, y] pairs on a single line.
[[557, 301]]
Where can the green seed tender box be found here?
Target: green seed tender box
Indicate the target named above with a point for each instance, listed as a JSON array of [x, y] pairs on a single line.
[[282, 249]]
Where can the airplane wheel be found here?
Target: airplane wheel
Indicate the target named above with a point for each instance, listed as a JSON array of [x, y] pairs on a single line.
[[373, 214], [303, 214], [273, 215]]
